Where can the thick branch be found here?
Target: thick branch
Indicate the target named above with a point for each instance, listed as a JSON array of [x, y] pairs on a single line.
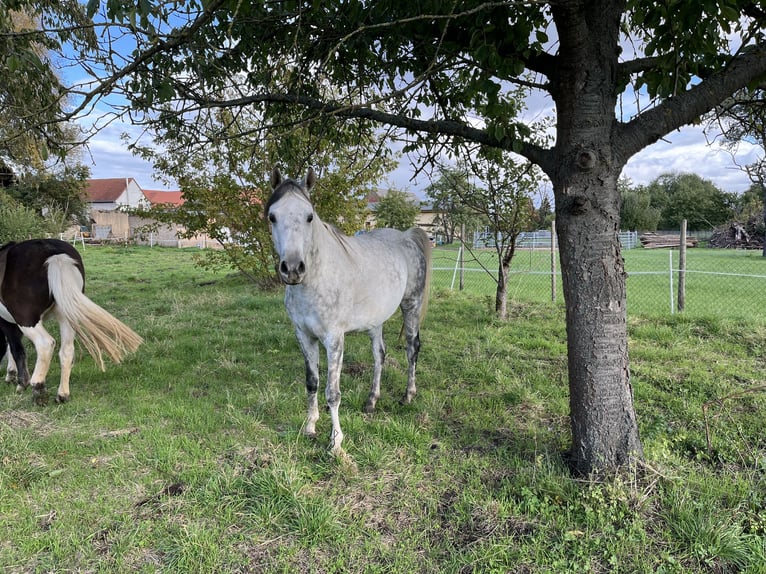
[[451, 128], [687, 107]]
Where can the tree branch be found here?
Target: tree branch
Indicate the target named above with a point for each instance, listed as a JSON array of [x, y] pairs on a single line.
[[690, 105]]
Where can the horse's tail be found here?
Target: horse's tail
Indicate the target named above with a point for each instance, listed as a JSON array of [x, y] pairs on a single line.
[[96, 328], [421, 239]]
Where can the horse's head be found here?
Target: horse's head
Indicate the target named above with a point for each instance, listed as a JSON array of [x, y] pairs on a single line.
[[291, 215]]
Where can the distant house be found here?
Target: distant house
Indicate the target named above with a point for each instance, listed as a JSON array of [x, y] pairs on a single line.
[[109, 222], [169, 198], [112, 193]]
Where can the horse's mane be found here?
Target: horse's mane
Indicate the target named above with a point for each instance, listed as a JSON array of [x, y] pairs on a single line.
[[287, 186]]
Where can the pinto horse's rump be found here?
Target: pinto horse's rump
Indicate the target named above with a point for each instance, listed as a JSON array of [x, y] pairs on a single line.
[[43, 277]]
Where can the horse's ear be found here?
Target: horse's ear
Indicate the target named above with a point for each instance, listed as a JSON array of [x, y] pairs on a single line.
[[311, 179], [276, 177]]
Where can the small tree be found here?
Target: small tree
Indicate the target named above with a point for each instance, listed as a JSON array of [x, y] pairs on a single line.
[[60, 191], [396, 209], [743, 118], [224, 184], [503, 198]]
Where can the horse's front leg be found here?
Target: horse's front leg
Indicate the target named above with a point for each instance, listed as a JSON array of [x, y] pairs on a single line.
[[334, 345], [379, 357], [310, 348]]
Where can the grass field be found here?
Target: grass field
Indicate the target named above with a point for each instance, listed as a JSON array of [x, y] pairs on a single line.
[[723, 283], [189, 458]]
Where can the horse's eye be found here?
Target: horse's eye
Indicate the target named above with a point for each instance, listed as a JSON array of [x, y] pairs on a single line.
[[272, 218], [310, 218]]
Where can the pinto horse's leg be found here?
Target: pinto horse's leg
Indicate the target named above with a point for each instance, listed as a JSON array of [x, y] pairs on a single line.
[[310, 347], [379, 357], [334, 345], [412, 335], [44, 345], [66, 357], [17, 361]]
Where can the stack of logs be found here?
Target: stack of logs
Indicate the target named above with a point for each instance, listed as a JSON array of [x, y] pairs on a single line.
[[658, 241]]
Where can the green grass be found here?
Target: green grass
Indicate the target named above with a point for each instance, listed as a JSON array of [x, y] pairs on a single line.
[[719, 282], [188, 457]]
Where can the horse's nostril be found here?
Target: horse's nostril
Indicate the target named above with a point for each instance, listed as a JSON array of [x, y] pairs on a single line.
[[283, 267], [301, 268]]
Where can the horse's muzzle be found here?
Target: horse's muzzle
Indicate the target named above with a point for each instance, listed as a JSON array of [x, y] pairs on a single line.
[[291, 274]]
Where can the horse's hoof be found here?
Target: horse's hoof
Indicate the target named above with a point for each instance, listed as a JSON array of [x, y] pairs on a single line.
[[60, 399], [406, 400], [369, 408], [12, 378]]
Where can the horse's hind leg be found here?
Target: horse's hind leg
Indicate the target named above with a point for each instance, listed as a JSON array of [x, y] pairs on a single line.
[[310, 347], [379, 357], [17, 358], [66, 357], [412, 334], [44, 345]]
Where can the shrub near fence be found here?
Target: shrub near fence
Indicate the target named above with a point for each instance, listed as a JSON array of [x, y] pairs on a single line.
[[719, 282]]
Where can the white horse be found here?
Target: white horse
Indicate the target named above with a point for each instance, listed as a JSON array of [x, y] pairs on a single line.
[[337, 284]]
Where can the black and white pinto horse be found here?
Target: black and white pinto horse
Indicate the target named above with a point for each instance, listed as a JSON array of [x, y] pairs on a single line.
[[338, 284], [44, 277]]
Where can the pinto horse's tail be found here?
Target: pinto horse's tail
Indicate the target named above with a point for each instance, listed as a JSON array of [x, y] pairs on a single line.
[[98, 331]]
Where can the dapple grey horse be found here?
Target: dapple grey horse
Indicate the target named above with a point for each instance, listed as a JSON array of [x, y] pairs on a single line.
[[336, 284]]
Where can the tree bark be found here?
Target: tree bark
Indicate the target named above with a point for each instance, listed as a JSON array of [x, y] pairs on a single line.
[[501, 293], [584, 177]]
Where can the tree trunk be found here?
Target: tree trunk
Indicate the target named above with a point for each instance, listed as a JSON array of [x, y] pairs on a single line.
[[584, 173], [604, 427], [501, 294]]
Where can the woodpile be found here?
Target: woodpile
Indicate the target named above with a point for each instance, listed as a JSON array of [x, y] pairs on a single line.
[[660, 241], [736, 235]]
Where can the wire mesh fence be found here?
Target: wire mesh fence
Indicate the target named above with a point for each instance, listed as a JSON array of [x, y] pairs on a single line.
[[724, 283]]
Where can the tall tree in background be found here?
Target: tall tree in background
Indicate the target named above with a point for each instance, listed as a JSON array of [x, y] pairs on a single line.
[[440, 73], [636, 210], [688, 196], [397, 209], [33, 99]]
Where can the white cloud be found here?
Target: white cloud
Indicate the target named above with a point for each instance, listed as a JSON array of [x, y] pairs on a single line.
[[687, 151]]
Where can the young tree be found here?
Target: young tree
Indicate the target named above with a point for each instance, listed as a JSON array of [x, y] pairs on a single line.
[[446, 192], [396, 209], [60, 191], [224, 189], [440, 72], [503, 197]]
